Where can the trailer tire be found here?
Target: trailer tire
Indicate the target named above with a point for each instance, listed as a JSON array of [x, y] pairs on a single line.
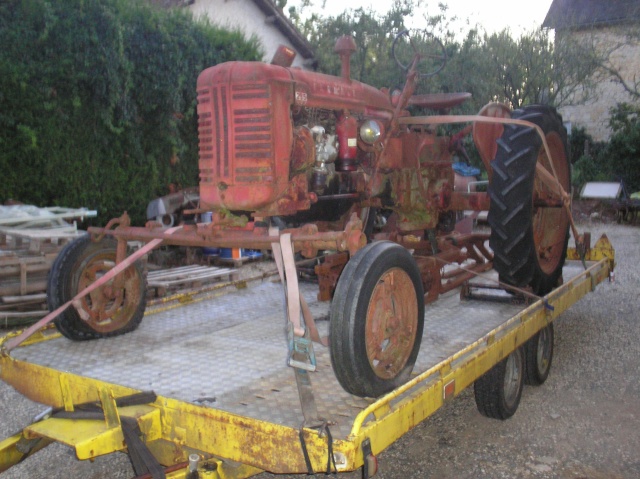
[[529, 239], [498, 391], [376, 320], [538, 354], [77, 265]]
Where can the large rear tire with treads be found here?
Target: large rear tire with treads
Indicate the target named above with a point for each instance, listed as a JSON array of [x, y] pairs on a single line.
[[529, 225]]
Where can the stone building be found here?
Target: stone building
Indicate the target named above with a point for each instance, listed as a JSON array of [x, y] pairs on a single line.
[[261, 18], [613, 27]]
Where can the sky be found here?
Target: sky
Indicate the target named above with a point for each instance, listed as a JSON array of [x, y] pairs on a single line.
[[493, 15]]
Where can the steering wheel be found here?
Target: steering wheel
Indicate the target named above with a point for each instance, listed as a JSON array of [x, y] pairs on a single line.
[[430, 51]]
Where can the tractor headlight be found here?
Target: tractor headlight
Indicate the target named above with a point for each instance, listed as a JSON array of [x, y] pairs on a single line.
[[370, 131]]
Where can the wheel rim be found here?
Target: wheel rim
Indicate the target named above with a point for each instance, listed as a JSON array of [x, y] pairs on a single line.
[[512, 379], [550, 221], [109, 308], [391, 323], [543, 354]]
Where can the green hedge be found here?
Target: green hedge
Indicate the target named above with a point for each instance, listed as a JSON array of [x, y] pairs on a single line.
[[615, 160], [98, 101]]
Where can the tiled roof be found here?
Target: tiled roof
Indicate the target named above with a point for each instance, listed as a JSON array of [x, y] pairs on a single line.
[[571, 14], [272, 14], [287, 28]]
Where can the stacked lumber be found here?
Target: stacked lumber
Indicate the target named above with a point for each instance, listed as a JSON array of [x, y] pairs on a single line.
[[23, 282], [30, 240]]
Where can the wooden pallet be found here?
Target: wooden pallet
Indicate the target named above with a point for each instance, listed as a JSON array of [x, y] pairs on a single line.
[[40, 240], [22, 275], [26, 256], [23, 280], [186, 277]]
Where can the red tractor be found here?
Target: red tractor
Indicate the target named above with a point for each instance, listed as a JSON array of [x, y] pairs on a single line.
[[318, 165]]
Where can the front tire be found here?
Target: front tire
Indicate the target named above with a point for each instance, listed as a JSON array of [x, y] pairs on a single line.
[[529, 229], [110, 312], [377, 318]]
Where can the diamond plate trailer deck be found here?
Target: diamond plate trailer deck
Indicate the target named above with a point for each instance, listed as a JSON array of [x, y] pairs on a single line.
[[224, 397]]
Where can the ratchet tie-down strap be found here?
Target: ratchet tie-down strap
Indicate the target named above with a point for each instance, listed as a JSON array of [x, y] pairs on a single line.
[[301, 356], [285, 261], [331, 460]]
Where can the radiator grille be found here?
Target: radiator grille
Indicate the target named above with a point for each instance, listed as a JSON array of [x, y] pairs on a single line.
[[253, 141], [234, 128]]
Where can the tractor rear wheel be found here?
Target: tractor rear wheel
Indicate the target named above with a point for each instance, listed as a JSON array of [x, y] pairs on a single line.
[[109, 311], [529, 225], [377, 317]]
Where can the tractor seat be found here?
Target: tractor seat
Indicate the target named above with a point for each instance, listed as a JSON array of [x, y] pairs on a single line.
[[439, 101]]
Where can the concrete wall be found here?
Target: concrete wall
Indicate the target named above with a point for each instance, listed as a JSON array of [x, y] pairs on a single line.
[[246, 16], [594, 114]]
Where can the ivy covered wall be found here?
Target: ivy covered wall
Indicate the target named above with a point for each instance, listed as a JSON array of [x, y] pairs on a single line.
[[98, 101]]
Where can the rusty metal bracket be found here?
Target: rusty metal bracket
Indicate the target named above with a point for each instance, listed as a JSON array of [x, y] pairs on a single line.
[[122, 222], [549, 178], [328, 273]]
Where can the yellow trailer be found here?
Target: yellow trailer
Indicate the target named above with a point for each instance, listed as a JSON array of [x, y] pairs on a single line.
[[205, 391]]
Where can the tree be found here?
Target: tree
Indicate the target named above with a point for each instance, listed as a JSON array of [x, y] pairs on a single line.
[[493, 67], [372, 33]]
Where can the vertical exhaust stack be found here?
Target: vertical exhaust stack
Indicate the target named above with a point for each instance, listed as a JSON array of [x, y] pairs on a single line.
[[283, 56], [345, 46]]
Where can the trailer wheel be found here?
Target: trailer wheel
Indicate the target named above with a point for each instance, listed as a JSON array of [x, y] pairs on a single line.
[[377, 317], [529, 225], [538, 353], [79, 264], [499, 390]]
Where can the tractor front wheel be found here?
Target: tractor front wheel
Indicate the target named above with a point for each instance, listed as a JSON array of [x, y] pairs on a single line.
[[115, 308], [377, 317]]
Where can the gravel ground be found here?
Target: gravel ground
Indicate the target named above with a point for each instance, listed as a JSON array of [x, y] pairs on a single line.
[[583, 423]]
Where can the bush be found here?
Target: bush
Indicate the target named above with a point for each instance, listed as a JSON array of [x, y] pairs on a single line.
[[98, 101], [587, 158], [623, 151]]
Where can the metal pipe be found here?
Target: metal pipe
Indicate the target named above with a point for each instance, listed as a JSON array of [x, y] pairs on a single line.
[[194, 460], [231, 239], [481, 182]]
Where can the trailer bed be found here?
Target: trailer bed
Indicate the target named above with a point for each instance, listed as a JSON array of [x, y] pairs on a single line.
[[230, 353], [219, 369]]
